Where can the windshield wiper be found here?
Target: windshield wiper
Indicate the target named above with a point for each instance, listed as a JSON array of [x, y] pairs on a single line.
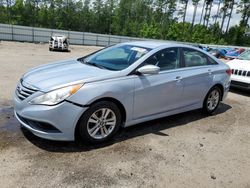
[[83, 60], [95, 65]]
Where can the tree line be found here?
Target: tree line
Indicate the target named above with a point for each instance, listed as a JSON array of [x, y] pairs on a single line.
[[158, 19]]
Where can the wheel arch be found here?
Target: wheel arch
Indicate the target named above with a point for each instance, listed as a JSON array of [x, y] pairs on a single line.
[[117, 102], [220, 86], [109, 99]]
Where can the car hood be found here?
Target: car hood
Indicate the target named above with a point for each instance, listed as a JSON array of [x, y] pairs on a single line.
[[239, 64], [63, 73]]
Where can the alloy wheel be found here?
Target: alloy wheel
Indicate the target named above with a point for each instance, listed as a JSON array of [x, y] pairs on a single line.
[[213, 100], [101, 123]]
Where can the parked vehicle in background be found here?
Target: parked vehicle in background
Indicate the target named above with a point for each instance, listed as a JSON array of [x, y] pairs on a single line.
[[198, 46], [234, 53], [241, 71], [122, 85], [219, 53], [206, 49], [58, 42]]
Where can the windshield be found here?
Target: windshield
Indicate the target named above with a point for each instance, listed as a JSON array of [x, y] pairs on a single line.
[[245, 55], [116, 57]]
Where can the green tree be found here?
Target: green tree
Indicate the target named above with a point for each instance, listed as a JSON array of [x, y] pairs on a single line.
[[202, 12], [217, 15], [183, 11], [207, 12], [231, 6], [195, 4], [244, 9], [224, 11], [139, 18]]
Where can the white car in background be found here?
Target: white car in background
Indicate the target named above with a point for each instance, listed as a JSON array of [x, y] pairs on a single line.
[[241, 71], [58, 42]]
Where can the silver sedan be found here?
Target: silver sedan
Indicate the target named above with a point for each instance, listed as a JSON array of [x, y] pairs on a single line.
[[91, 97]]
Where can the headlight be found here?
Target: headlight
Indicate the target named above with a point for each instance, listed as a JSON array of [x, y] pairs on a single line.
[[56, 96]]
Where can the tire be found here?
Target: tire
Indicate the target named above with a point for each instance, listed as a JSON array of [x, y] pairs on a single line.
[[94, 119], [212, 100], [21, 126]]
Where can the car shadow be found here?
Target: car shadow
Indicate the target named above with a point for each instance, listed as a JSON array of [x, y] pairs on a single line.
[[150, 127], [240, 92], [58, 50]]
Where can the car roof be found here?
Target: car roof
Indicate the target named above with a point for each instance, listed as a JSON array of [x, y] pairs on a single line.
[[162, 44], [156, 44]]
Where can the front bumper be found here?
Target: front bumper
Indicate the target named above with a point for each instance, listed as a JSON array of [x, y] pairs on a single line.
[[240, 85], [60, 46], [241, 82], [63, 117]]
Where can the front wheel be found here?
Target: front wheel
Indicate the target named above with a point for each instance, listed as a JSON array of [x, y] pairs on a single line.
[[212, 100], [100, 122]]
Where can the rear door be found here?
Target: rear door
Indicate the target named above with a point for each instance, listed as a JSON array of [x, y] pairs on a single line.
[[197, 77], [155, 94]]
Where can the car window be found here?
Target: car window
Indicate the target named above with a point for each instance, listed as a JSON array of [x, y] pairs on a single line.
[[245, 55], [194, 58], [211, 61], [166, 59]]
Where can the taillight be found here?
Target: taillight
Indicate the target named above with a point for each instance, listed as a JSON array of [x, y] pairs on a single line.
[[229, 72]]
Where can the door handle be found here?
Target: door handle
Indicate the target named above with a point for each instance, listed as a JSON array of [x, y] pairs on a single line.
[[209, 71], [178, 78]]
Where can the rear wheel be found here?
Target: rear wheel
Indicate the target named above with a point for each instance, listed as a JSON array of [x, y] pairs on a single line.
[[212, 100], [100, 122]]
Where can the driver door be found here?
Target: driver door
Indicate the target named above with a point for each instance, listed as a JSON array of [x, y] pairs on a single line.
[[159, 93]]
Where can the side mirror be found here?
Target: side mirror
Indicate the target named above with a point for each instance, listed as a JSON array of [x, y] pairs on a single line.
[[148, 69]]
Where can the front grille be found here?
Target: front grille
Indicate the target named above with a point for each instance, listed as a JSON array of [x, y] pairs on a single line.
[[240, 72], [23, 90]]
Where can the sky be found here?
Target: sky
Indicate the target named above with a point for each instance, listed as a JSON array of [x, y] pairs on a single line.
[[190, 9]]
